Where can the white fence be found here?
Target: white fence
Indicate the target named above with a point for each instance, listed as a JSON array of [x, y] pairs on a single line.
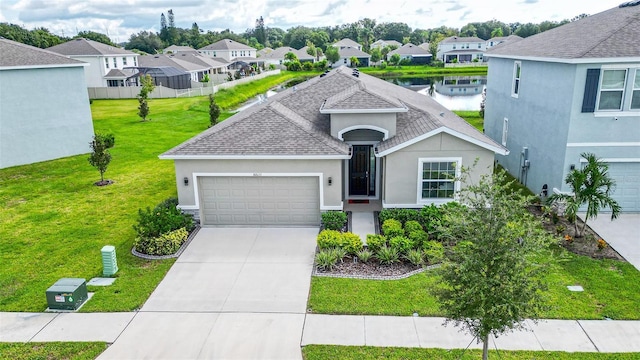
[[161, 92]]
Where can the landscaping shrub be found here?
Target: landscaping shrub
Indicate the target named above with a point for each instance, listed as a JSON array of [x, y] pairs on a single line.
[[392, 228], [415, 257], [430, 216], [340, 253], [402, 244], [165, 244], [433, 251], [411, 226], [402, 215], [387, 255], [375, 242], [326, 259], [164, 218], [418, 237], [334, 220], [364, 255], [329, 239], [351, 243]]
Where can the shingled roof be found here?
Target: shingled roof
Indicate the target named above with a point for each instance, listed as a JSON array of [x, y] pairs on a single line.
[[609, 34], [15, 54], [84, 47], [410, 49], [227, 44], [291, 124]]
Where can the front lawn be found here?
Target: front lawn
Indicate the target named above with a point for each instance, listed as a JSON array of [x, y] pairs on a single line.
[[55, 221], [612, 290], [52, 350], [321, 352]]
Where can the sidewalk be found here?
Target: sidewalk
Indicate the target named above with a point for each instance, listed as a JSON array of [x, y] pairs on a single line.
[[387, 331]]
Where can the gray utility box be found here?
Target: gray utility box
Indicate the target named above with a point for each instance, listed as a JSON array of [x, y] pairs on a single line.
[[67, 294]]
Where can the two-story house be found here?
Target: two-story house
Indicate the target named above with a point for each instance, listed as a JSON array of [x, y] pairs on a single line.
[[228, 50], [107, 64], [461, 49], [566, 91], [379, 44], [501, 39], [349, 49]]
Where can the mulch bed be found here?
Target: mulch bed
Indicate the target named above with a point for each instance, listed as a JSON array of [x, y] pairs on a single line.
[[370, 270]]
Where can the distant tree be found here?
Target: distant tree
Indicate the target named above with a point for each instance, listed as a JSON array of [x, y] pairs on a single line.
[[591, 186], [214, 111], [354, 61], [419, 36], [320, 39], [39, 37], [95, 36], [145, 41], [332, 54], [143, 96], [275, 37], [494, 277], [376, 55], [527, 30], [497, 32], [260, 31], [290, 57], [468, 30], [100, 156], [433, 47], [392, 31], [312, 49], [395, 59]]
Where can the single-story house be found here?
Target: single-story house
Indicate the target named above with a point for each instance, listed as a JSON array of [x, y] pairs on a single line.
[[415, 54], [44, 105], [337, 137]]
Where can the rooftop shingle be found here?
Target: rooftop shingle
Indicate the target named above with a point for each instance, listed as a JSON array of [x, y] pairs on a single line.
[[80, 47], [15, 54]]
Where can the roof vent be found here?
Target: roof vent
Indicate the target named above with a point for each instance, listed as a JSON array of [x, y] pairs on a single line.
[[356, 74], [323, 75], [630, 3], [442, 114]]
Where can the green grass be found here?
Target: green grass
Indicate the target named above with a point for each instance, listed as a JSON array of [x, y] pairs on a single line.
[[612, 290], [55, 221], [472, 117], [422, 70], [321, 352], [52, 350]]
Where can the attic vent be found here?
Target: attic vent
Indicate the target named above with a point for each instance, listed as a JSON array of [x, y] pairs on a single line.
[[630, 3], [323, 75], [442, 114]]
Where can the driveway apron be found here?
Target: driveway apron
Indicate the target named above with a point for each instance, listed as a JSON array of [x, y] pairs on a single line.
[[235, 293]]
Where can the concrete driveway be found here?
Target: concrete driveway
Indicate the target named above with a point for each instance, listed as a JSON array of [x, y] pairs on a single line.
[[623, 234], [235, 293]]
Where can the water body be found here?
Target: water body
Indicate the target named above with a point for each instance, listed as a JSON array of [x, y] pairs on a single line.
[[453, 92]]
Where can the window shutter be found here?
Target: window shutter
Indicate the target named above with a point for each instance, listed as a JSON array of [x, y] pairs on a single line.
[[590, 90]]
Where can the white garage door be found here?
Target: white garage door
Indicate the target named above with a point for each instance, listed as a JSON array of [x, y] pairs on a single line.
[[627, 190], [260, 200]]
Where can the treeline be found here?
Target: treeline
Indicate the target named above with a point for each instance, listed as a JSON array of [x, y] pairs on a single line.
[[365, 31]]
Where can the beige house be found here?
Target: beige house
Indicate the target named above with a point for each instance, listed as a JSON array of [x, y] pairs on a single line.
[[339, 137], [228, 50]]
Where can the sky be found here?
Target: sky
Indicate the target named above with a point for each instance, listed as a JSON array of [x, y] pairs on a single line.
[[119, 19]]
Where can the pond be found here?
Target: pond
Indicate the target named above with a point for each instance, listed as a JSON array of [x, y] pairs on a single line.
[[453, 92]]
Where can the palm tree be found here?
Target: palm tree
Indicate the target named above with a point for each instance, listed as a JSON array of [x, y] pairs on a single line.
[[591, 186]]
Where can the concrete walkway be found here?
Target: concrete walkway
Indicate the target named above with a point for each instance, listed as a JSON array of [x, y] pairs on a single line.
[[362, 224], [623, 234]]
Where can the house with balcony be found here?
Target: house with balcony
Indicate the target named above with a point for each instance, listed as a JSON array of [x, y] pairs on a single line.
[[455, 49], [567, 91], [228, 50], [107, 64]]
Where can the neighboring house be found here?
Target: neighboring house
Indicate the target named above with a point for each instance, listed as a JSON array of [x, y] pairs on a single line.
[[214, 66], [228, 50], [44, 105], [263, 52], [415, 54], [500, 40], [196, 71], [102, 60], [347, 53], [277, 56], [461, 49], [379, 44], [347, 43], [175, 49], [461, 85], [569, 90], [338, 137], [425, 45]]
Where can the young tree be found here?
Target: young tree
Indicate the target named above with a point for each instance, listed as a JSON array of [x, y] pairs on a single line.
[[290, 57], [332, 54], [395, 59], [143, 96], [214, 111], [592, 186], [375, 55], [354, 61], [100, 156], [493, 278]]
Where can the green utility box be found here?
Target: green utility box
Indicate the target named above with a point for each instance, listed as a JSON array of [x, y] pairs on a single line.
[[67, 294], [109, 262]]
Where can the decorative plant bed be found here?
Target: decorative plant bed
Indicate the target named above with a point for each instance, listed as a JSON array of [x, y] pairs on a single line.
[[178, 253]]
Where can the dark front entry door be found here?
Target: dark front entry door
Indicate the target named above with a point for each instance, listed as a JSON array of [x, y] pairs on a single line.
[[362, 171]]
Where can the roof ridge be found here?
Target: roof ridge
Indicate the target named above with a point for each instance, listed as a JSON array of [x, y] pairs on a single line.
[[630, 20]]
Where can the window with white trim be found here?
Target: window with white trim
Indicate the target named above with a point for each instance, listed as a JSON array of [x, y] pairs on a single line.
[[612, 89], [635, 94], [437, 178], [115, 63], [517, 69], [505, 131], [106, 62], [124, 61]]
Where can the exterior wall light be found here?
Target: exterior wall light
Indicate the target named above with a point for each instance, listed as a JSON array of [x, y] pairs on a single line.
[[186, 181], [330, 180]]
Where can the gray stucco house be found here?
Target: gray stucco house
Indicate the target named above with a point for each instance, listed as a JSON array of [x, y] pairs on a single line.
[[569, 90], [337, 137], [44, 105]]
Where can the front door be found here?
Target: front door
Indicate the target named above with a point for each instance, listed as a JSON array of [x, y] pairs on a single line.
[[362, 176]]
